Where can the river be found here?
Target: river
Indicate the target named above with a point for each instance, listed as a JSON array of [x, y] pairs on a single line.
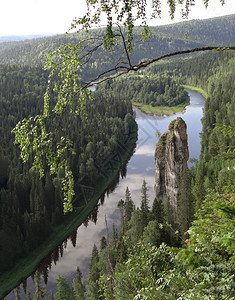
[[140, 167]]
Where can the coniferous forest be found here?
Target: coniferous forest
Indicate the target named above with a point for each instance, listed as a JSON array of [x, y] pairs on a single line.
[[149, 256], [29, 206]]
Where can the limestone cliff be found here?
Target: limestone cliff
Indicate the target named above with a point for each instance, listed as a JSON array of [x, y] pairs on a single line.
[[171, 158]]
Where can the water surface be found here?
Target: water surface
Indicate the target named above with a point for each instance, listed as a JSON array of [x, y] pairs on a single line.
[[141, 166]]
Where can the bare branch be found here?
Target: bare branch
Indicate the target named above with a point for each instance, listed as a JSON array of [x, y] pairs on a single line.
[[107, 78], [125, 47], [97, 81], [91, 51], [145, 63], [207, 48]]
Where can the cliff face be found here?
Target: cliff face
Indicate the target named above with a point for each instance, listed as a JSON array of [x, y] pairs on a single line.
[[171, 158]]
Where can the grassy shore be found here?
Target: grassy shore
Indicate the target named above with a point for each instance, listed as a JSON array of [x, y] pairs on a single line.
[[167, 110], [25, 267], [160, 110], [196, 89]]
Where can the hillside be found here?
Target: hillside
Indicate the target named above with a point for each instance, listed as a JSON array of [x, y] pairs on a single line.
[[18, 38], [31, 208], [164, 39], [154, 257], [213, 31]]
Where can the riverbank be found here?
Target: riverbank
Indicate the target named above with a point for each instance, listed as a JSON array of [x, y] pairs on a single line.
[[168, 110], [196, 89], [161, 110], [25, 267]]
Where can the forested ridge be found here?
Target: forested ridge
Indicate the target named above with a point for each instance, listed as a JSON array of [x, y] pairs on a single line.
[[151, 257], [152, 90], [213, 72], [30, 207], [210, 31], [164, 39]]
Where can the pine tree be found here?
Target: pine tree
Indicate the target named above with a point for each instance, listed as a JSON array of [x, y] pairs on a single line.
[[78, 288], [145, 210], [185, 203], [94, 270], [129, 206], [171, 228], [198, 188], [122, 250], [157, 214], [64, 291], [103, 243], [151, 234], [121, 209], [157, 211], [135, 231]]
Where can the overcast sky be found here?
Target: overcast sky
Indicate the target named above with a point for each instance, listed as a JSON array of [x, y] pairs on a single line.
[[24, 17]]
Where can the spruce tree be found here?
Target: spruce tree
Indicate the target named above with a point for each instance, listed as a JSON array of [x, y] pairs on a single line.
[[64, 291], [129, 207], [157, 210], [78, 288], [185, 204], [121, 209], [145, 210], [94, 270], [94, 276], [157, 214]]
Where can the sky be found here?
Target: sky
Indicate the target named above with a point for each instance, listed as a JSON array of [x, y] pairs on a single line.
[[31, 17]]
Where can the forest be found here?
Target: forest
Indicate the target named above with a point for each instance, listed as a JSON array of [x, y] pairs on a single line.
[[152, 90], [150, 257], [30, 207], [164, 39]]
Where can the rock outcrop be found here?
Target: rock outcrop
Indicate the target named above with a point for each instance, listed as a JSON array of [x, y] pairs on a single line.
[[171, 158]]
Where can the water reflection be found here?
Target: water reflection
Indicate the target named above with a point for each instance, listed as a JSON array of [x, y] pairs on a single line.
[[141, 166], [76, 250]]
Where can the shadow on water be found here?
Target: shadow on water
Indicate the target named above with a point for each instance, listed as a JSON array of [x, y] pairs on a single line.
[[52, 258], [63, 261], [57, 253]]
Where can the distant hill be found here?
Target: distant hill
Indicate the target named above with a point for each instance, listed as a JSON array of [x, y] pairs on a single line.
[[220, 30], [168, 38], [18, 38]]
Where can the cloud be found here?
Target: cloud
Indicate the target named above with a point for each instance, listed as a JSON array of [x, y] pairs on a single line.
[[38, 16], [55, 16]]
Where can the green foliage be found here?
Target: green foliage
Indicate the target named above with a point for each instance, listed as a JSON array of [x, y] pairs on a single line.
[[152, 234], [32, 134], [215, 223], [138, 278], [125, 13], [40, 292], [31, 199], [203, 269], [32, 137], [64, 291], [185, 209], [192, 275], [154, 90], [63, 65], [144, 206]]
